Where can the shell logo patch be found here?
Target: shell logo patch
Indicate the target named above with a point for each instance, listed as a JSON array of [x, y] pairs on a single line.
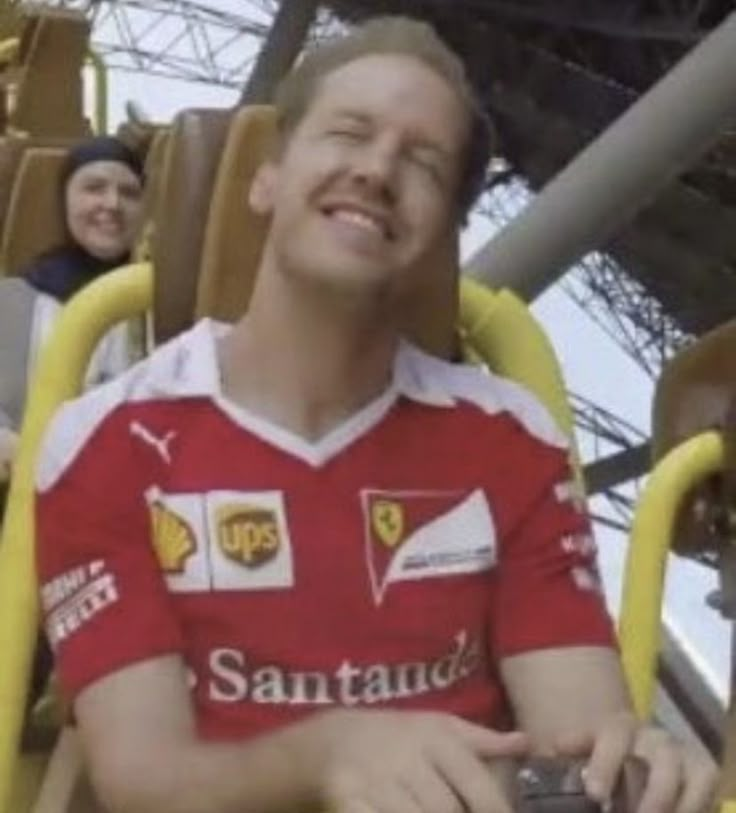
[[173, 539], [247, 534], [388, 522], [221, 540]]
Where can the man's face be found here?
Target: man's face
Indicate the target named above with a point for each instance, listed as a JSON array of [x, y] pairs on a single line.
[[365, 190]]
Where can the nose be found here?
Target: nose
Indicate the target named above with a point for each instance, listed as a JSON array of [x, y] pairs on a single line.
[[112, 197], [375, 169]]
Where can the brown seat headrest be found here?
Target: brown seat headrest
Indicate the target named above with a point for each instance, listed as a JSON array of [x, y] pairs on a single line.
[[695, 389], [34, 221], [696, 393], [192, 155], [49, 99]]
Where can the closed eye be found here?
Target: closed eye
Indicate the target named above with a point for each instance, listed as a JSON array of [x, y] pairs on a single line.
[[347, 135], [429, 164]]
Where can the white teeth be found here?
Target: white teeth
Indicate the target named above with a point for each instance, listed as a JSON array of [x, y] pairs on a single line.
[[358, 219]]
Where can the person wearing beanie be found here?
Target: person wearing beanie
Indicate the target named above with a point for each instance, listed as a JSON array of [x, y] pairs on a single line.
[[100, 196]]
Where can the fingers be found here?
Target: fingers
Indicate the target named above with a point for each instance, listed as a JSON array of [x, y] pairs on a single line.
[[393, 797], [380, 794], [489, 744], [472, 781], [680, 778], [432, 793], [664, 778], [700, 778], [609, 752]]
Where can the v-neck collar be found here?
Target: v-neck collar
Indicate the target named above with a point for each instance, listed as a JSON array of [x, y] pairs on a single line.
[[196, 371]]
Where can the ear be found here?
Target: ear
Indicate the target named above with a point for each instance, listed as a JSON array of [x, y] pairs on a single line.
[[262, 192]]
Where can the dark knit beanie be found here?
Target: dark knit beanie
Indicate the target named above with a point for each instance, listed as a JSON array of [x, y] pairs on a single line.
[[100, 148]]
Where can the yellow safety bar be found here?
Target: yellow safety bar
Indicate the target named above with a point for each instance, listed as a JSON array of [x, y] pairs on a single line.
[[500, 327], [509, 339], [101, 91], [117, 296], [640, 623]]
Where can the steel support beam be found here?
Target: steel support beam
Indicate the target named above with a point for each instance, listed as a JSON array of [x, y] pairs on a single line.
[[619, 172], [283, 45], [609, 472]]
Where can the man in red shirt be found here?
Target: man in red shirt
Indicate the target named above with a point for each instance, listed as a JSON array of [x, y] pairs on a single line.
[[299, 564]]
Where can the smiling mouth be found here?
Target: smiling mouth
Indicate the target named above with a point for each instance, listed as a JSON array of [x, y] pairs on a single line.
[[108, 229], [367, 221]]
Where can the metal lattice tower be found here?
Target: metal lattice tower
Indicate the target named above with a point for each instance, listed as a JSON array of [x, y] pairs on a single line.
[[194, 42]]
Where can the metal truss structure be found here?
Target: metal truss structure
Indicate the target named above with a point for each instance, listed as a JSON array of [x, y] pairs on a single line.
[[179, 39], [602, 436], [635, 320]]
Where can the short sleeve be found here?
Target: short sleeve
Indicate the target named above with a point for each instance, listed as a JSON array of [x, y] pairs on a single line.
[[548, 589], [104, 601]]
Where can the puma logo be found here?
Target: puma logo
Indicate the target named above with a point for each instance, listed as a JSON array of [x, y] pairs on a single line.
[[160, 444]]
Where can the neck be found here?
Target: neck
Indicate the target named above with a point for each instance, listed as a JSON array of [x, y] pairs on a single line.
[[304, 360]]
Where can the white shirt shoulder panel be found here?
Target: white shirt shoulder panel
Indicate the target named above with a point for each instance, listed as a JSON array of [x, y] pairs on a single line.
[[185, 366], [442, 381]]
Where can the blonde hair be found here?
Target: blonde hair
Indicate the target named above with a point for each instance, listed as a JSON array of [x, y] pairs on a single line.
[[392, 35]]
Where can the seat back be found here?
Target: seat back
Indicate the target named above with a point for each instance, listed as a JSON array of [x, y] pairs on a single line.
[[12, 148], [154, 169], [695, 393], [49, 97], [34, 222], [194, 149], [695, 390], [234, 234], [9, 20]]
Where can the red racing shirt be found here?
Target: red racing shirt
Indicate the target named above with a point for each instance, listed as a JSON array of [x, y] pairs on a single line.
[[393, 563]]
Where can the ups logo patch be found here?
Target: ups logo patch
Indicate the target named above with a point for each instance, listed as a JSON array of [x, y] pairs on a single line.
[[173, 539], [248, 534]]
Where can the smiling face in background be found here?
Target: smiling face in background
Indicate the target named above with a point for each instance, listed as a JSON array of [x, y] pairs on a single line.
[[103, 202], [365, 189]]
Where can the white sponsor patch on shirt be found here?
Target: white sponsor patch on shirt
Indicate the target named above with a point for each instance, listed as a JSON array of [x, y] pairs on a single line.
[[72, 599], [221, 540], [420, 535]]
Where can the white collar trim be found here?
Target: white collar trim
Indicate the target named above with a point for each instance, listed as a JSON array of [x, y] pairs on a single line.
[[192, 369]]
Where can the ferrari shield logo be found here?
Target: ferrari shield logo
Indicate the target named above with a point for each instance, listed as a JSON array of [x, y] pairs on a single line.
[[387, 519]]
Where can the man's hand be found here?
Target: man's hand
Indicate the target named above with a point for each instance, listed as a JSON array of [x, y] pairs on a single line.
[[411, 762], [8, 446], [681, 778]]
